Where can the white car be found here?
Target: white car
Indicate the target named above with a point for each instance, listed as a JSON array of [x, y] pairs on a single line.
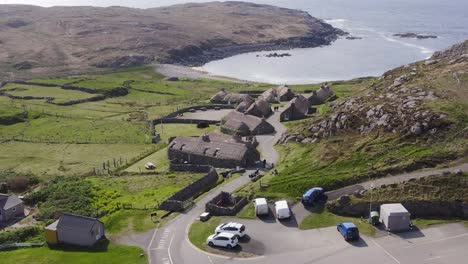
[[282, 209], [233, 228], [227, 240]]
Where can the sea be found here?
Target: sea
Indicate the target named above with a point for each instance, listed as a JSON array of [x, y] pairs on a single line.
[[373, 21]]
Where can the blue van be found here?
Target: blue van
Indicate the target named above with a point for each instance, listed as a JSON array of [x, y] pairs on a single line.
[[310, 196], [348, 230]]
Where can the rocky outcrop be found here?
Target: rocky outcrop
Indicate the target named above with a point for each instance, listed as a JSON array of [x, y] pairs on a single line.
[[414, 35], [397, 109]]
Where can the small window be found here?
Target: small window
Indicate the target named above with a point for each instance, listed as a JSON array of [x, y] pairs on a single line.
[[14, 209]]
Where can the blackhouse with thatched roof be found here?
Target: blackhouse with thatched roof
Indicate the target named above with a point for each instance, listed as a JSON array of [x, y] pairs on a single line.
[[297, 108], [260, 108], [223, 97], [213, 149], [236, 123], [279, 94], [321, 95]]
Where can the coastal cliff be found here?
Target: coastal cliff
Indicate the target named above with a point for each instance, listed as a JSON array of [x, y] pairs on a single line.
[[37, 41]]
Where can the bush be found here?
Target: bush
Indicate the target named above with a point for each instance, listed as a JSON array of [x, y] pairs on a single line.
[[19, 235], [64, 194]]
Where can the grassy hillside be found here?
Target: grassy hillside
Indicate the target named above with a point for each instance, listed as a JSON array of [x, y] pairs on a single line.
[[361, 146]]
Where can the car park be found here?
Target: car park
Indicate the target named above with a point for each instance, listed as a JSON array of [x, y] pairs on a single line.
[[224, 239], [261, 206], [233, 228], [312, 195], [282, 210], [348, 230]]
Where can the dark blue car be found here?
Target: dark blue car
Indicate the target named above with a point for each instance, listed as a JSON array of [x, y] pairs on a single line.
[[312, 195], [348, 230]]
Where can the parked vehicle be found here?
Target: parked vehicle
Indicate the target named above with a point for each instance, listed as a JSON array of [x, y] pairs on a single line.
[[312, 195], [233, 228], [261, 206], [282, 209], [227, 240], [348, 230]]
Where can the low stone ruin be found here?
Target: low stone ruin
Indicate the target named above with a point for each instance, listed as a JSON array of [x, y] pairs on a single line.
[[225, 204]]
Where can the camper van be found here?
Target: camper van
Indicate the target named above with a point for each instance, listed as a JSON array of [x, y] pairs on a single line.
[[261, 206], [282, 209]]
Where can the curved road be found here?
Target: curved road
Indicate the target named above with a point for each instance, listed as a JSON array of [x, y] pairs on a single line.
[[283, 242]]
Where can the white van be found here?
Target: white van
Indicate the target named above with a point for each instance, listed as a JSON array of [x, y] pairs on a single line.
[[282, 209], [261, 206]]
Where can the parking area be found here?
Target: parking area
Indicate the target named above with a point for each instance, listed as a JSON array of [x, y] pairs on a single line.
[[279, 241]]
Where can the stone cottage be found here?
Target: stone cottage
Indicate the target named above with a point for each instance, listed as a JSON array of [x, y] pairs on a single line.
[[223, 97], [297, 108], [321, 95], [10, 207], [279, 94], [71, 229], [213, 149], [260, 108], [236, 123]]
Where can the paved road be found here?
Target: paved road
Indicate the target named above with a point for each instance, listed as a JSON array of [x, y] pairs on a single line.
[[301, 212]]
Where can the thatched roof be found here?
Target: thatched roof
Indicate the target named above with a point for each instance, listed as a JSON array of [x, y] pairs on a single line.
[[269, 96], [321, 95], [255, 124], [260, 108], [284, 93], [243, 106], [219, 97], [235, 98], [212, 145], [237, 126], [300, 103]]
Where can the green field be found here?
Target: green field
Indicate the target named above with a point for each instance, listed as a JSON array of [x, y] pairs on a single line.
[[59, 94], [43, 159], [43, 255]]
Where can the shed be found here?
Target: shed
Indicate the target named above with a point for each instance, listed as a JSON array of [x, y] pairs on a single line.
[[74, 229], [395, 217], [11, 206]]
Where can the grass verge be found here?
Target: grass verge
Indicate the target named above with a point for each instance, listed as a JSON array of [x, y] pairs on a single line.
[[199, 231], [323, 218]]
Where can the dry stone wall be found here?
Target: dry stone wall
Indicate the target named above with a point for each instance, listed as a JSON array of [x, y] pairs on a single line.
[[234, 204], [177, 201]]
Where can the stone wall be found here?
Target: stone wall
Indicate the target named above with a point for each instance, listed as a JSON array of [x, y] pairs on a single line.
[[176, 201], [189, 167], [421, 209], [198, 107], [232, 204]]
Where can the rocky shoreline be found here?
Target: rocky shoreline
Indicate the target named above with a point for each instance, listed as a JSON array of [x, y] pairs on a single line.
[[194, 56]]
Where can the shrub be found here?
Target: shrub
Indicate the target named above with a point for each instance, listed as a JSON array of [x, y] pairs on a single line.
[[19, 234], [64, 194]]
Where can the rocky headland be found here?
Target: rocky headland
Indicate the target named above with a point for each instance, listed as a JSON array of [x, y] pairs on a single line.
[[72, 40]]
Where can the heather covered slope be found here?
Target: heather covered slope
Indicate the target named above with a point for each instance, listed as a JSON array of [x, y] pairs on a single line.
[[63, 40]]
